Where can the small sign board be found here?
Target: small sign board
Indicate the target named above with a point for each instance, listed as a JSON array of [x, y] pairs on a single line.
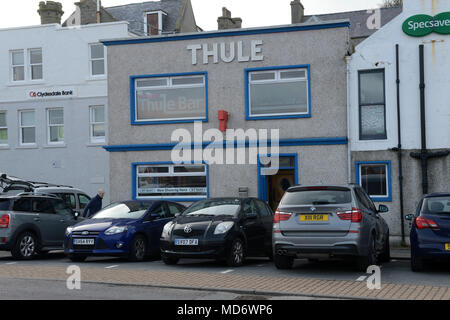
[[422, 25]]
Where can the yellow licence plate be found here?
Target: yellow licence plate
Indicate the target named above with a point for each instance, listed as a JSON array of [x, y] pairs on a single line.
[[313, 217], [447, 246]]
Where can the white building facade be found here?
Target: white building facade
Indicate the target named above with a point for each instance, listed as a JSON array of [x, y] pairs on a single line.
[[53, 104], [377, 145]]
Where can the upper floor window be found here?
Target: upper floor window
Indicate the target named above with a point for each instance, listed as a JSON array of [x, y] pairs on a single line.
[[27, 132], [3, 129], [97, 124], [372, 106], [282, 93], [55, 133], [97, 59], [178, 98], [153, 22], [32, 70]]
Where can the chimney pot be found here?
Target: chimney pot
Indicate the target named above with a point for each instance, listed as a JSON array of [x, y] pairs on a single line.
[[227, 22]]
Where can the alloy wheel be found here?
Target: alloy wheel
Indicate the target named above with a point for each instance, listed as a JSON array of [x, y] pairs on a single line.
[[27, 246], [238, 252], [139, 248]]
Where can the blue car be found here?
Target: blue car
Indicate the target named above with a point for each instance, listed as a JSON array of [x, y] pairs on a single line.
[[129, 229], [430, 231]]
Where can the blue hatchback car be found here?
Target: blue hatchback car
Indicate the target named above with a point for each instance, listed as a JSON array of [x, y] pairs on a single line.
[[129, 229], [430, 231]]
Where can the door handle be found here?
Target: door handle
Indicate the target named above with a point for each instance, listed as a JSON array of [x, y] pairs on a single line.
[[36, 219], [62, 220]]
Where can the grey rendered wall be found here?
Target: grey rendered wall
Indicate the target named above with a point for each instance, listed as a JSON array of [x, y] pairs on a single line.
[[438, 180], [324, 50], [79, 163]]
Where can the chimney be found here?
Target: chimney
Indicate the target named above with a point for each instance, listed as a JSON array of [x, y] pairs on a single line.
[[227, 22], [88, 11], [50, 12], [297, 11]]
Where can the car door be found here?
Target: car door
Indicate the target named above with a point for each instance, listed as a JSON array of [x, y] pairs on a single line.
[[375, 217], [253, 227], [266, 214], [154, 227], [65, 218], [23, 213], [48, 221], [83, 201]]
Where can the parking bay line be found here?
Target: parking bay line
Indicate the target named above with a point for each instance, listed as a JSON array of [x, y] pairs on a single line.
[[10, 263], [227, 271], [111, 267]]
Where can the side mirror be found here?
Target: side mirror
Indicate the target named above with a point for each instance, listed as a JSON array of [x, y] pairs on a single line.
[[154, 216], [382, 208], [409, 217], [177, 214]]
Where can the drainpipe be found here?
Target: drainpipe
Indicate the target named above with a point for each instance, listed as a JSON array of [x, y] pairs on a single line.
[[399, 146], [424, 154], [349, 151]]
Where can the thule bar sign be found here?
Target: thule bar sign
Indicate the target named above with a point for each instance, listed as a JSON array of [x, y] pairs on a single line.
[[422, 25]]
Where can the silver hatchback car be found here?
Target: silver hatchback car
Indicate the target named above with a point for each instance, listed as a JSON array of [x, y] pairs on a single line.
[[322, 222]]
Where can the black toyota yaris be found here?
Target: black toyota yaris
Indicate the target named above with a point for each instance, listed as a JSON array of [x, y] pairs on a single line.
[[222, 228]]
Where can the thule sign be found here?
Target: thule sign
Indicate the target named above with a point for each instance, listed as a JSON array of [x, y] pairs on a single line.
[[421, 25]]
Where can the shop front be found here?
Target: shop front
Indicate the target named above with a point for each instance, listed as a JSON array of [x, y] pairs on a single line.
[[241, 112]]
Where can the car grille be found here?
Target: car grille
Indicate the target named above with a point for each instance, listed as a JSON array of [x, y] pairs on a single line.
[[89, 233], [195, 233], [101, 245]]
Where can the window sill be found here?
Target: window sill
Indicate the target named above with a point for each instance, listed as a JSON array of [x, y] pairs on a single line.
[[51, 146], [275, 117], [4, 147], [25, 83], [95, 144], [31, 146], [382, 199], [96, 78]]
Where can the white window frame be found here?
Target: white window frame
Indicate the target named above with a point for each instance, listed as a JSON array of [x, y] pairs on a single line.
[[171, 173], [160, 21], [22, 127], [49, 126], [97, 59], [12, 66], [169, 85], [30, 65], [92, 138], [5, 127], [378, 197], [277, 80]]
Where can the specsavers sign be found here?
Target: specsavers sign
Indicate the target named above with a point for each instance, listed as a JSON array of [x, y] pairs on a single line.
[[421, 25]]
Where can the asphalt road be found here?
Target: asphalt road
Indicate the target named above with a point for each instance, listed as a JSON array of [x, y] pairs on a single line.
[[396, 271]]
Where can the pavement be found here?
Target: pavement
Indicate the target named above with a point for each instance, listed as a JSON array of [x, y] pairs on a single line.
[[244, 284], [401, 253]]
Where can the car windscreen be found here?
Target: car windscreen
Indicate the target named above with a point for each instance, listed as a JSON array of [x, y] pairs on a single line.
[[5, 204], [127, 210], [225, 207], [305, 196], [436, 205]]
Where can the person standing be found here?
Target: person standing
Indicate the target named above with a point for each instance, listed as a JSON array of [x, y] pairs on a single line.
[[94, 205]]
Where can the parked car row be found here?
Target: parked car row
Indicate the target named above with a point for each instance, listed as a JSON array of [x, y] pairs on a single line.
[[313, 222]]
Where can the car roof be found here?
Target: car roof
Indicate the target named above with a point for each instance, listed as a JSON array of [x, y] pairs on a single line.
[[299, 186], [58, 189]]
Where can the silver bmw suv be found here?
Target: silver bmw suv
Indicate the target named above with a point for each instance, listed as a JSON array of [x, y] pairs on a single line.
[[323, 222]]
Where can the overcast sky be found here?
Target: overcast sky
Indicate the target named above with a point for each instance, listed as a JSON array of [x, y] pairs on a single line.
[[254, 13]]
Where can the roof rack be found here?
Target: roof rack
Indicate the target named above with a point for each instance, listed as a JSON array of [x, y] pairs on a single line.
[[38, 195]]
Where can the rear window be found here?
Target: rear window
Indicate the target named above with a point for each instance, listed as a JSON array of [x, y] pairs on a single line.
[[5, 204], [437, 205], [305, 196]]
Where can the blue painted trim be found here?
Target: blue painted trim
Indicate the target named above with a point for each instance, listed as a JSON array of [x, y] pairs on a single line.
[[134, 180], [247, 92], [282, 143], [389, 182], [133, 78], [262, 180], [208, 35]]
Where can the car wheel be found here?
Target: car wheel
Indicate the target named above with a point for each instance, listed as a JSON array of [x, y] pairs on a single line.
[[236, 255], [362, 263], [25, 247], [386, 255], [77, 258], [138, 249], [283, 262], [169, 260], [417, 263]]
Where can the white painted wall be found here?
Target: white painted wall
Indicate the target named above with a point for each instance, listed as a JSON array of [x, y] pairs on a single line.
[[378, 51], [65, 53]]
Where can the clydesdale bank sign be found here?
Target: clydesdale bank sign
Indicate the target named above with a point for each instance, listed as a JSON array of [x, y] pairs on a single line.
[[422, 25]]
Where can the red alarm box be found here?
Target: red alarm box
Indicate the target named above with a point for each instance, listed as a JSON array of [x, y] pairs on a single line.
[[223, 118]]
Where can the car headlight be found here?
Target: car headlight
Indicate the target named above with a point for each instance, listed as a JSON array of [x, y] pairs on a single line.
[[167, 230], [223, 227], [69, 231], [116, 230]]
